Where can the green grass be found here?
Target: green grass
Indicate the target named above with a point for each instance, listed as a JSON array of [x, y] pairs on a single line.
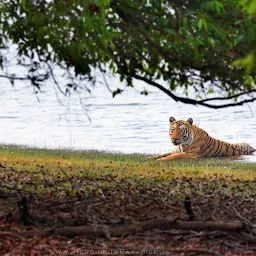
[[62, 172], [137, 163]]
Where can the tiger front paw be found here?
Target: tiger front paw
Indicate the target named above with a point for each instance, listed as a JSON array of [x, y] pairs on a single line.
[[154, 157]]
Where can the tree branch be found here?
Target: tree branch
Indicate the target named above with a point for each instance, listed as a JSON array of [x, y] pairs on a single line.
[[13, 77], [106, 231], [54, 79], [193, 101], [230, 97]]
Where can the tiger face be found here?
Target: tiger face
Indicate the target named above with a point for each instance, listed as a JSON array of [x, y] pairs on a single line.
[[180, 132]]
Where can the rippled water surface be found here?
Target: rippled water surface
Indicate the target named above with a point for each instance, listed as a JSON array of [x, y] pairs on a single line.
[[128, 123]]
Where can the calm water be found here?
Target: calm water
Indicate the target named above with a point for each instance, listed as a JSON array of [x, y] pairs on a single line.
[[128, 123]]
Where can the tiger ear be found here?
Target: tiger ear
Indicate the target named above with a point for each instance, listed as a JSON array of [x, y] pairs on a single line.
[[172, 119], [190, 121]]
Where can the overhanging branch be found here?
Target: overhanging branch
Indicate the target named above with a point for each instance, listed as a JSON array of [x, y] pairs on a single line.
[[13, 77], [230, 97], [198, 102]]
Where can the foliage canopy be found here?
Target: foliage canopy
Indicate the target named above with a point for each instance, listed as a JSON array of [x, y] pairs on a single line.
[[204, 47]]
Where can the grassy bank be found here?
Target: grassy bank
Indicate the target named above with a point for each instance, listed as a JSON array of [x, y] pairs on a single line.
[[42, 169], [74, 188]]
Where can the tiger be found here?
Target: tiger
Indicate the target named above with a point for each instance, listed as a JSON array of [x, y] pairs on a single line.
[[190, 141]]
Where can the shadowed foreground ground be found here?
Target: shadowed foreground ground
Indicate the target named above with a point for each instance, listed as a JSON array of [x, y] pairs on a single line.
[[91, 203]]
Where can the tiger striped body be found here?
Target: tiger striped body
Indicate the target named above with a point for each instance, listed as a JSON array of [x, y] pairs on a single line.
[[192, 142]]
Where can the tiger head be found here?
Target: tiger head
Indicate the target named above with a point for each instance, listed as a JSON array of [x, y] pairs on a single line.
[[180, 132]]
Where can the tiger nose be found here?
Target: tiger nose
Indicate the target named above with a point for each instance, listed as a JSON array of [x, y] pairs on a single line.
[[175, 140]]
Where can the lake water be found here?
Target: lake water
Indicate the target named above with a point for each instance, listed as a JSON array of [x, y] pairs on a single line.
[[129, 123]]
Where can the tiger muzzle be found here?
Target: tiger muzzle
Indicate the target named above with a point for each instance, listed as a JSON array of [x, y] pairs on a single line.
[[176, 142]]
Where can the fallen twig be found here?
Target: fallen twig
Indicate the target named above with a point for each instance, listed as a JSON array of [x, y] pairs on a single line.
[[108, 231], [244, 236], [12, 234]]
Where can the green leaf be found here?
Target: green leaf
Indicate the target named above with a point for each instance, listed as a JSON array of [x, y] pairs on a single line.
[[210, 91], [117, 91], [144, 92], [218, 7], [211, 41], [249, 82], [249, 6], [202, 23], [248, 63]]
